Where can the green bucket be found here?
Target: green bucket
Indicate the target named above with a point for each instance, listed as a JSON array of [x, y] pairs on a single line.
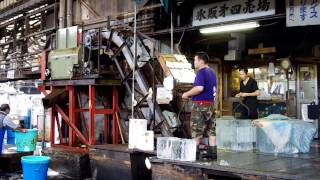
[[26, 141]]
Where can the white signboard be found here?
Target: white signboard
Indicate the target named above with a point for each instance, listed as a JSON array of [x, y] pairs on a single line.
[[231, 10], [303, 12]]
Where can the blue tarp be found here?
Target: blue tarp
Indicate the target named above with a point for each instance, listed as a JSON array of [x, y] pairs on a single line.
[[284, 136]]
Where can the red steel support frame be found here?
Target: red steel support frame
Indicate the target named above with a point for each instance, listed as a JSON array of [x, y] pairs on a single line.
[[106, 125], [92, 105], [71, 120], [43, 65], [72, 135], [115, 130], [53, 118]]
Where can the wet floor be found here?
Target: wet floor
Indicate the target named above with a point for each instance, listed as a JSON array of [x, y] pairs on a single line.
[[281, 166], [297, 166]]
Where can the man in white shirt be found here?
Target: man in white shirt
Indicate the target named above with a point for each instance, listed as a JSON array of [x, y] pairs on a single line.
[[6, 121]]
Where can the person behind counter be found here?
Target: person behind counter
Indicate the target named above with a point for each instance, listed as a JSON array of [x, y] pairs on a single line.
[[249, 91], [6, 121], [203, 94]]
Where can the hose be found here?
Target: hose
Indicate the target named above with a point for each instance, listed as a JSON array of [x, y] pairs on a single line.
[[184, 103], [182, 108], [240, 104]]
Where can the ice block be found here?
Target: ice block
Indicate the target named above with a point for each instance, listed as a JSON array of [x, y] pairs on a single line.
[[234, 134], [176, 149]]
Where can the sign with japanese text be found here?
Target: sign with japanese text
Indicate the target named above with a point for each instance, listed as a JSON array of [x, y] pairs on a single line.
[[231, 10], [303, 12]]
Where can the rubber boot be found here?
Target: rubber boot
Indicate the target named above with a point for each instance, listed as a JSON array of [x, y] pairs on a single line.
[[201, 152], [198, 153], [212, 152]]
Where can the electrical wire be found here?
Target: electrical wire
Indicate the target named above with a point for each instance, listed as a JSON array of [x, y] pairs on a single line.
[[181, 36]]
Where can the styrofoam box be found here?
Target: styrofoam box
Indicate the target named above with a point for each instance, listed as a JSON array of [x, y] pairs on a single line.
[[137, 129]]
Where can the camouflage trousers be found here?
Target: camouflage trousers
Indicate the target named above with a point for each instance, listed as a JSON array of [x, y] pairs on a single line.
[[202, 120]]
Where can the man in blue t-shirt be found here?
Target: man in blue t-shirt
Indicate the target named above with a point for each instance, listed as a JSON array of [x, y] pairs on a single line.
[[203, 94]]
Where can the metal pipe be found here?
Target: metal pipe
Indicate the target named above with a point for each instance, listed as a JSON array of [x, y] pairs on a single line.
[[154, 89], [171, 31], [43, 130], [69, 13], [99, 47], [82, 44], [134, 58], [62, 13]]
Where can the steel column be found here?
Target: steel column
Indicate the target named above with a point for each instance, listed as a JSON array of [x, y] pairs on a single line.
[[115, 130], [52, 126], [72, 137], [106, 127], [92, 106], [53, 116], [43, 65]]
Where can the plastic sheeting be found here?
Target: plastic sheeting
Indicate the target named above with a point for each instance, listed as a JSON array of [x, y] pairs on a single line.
[[284, 136], [277, 117]]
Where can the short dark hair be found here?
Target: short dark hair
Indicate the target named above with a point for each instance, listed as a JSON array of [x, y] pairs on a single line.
[[4, 107], [203, 56], [245, 70]]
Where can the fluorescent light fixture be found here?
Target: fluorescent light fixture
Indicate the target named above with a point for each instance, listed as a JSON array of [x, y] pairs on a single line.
[[228, 28]]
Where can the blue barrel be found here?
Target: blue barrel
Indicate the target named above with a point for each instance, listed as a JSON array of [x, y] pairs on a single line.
[[11, 136], [26, 141], [27, 120], [35, 167], [2, 132]]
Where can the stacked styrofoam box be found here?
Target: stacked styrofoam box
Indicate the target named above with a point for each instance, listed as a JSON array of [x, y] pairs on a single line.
[[181, 69], [164, 96], [139, 136]]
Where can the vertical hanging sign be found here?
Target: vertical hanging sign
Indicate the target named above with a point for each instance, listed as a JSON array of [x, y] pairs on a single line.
[[302, 12]]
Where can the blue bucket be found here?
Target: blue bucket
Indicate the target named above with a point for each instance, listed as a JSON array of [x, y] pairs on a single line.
[[35, 167], [26, 141], [10, 136]]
